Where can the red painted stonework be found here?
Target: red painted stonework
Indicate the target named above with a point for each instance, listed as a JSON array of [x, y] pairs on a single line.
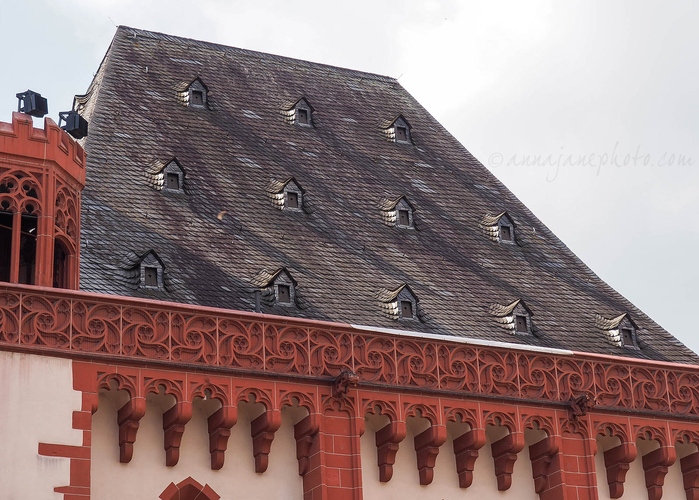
[[188, 489], [42, 172], [139, 347]]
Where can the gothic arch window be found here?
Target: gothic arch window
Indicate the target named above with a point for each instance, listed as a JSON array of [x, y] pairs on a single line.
[[61, 265], [189, 489]]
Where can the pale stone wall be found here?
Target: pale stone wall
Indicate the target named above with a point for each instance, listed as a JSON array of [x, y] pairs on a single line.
[[37, 404], [146, 476], [405, 483]]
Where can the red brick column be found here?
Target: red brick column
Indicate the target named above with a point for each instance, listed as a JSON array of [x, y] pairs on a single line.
[[334, 470], [572, 475]]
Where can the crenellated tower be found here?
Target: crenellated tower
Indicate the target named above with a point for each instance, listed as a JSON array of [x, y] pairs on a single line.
[[42, 173]]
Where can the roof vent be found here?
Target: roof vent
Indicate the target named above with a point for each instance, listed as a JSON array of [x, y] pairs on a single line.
[[398, 130], [400, 304], [515, 317], [620, 331], [398, 212], [194, 94], [288, 195], [499, 228], [299, 112], [166, 176]]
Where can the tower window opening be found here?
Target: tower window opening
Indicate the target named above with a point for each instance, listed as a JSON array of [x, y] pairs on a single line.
[[27, 250], [60, 266], [5, 245]]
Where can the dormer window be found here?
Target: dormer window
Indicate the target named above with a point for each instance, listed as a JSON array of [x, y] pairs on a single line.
[[287, 195], [398, 130], [151, 276], [499, 228], [292, 199], [398, 212], [194, 94], [166, 176], [514, 317], [299, 112], [406, 309], [196, 98], [283, 294], [620, 331], [277, 287], [152, 271], [399, 304], [173, 181], [505, 233]]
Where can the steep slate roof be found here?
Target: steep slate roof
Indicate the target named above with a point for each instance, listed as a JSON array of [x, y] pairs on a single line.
[[222, 232]]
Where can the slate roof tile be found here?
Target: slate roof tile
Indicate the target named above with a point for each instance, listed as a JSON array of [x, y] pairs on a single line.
[[342, 252]]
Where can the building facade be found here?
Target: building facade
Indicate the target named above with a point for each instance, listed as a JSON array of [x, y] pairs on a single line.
[[269, 278]]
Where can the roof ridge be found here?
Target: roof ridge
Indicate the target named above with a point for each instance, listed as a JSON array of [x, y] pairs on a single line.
[[164, 36]]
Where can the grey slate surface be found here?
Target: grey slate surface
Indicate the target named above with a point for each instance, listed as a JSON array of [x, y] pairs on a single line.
[[341, 252]]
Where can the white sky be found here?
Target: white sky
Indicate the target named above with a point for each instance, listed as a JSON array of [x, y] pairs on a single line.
[[516, 82]]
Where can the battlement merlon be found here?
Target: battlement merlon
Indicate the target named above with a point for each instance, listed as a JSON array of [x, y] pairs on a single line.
[[20, 140]]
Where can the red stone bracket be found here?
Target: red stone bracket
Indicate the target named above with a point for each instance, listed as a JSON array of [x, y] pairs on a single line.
[[427, 445], [617, 461], [504, 456], [388, 439], [220, 424], [466, 449], [656, 464], [174, 421], [690, 475], [262, 430], [128, 418], [542, 455], [305, 433]]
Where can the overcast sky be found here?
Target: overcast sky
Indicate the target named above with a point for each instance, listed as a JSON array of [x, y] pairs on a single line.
[[587, 110]]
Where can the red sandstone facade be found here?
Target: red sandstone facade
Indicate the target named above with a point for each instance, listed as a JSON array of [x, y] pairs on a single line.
[[338, 373]]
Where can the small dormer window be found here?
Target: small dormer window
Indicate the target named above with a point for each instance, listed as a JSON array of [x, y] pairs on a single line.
[[292, 199], [151, 276], [406, 309], [166, 176], [521, 324], [194, 94], [283, 294], [398, 212], [398, 130], [620, 331], [627, 336], [287, 195], [514, 317], [196, 98], [401, 134], [399, 304], [302, 116], [173, 181], [505, 233], [299, 112], [151, 271], [499, 228]]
